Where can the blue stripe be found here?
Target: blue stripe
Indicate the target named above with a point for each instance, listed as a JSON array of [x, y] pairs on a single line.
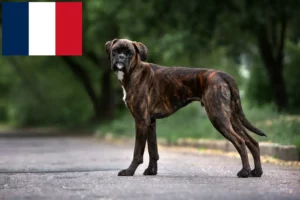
[[15, 28]]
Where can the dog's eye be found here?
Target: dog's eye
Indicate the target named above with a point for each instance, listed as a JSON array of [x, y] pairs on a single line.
[[114, 52], [130, 54]]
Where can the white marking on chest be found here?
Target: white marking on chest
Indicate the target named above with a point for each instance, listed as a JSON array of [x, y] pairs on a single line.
[[120, 75], [124, 95]]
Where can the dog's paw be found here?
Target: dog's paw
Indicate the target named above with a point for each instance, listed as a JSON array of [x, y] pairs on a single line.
[[126, 172], [150, 171], [256, 172], [244, 173]]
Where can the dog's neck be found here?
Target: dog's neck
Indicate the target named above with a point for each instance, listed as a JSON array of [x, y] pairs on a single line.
[[130, 81], [134, 76]]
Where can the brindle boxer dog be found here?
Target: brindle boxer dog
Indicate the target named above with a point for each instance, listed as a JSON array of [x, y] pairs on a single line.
[[152, 92]]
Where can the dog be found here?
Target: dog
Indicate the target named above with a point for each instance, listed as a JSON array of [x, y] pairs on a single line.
[[153, 92]]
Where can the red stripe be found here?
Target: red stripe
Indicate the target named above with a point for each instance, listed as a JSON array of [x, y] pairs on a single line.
[[68, 28]]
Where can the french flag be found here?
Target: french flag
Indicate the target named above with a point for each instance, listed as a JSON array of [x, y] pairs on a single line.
[[42, 28]]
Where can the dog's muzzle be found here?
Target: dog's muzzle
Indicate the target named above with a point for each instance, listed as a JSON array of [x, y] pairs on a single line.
[[118, 67]]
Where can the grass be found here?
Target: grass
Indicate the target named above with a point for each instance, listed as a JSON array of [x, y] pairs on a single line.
[[5, 126], [192, 122]]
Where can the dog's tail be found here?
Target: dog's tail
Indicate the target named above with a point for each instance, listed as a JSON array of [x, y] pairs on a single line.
[[235, 98]]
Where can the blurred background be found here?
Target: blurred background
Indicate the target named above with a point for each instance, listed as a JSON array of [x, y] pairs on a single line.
[[256, 41]]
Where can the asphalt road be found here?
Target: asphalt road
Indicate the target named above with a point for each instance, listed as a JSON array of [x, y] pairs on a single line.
[[84, 168]]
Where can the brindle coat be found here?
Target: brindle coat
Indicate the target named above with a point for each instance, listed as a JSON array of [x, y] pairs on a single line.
[[153, 92]]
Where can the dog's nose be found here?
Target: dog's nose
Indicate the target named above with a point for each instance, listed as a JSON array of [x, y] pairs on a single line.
[[121, 57]]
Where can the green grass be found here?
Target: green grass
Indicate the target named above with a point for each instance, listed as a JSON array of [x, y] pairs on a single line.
[[192, 122]]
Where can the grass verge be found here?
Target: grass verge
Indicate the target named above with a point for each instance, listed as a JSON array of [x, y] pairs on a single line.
[[192, 122]]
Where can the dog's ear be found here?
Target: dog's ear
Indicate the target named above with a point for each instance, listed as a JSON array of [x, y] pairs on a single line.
[[108, 46], [141, 49]]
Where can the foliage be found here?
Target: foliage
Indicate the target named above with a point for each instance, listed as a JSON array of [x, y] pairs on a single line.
[[292, 75], [259, 79], [209, 34], [60, 102], [259, 91]]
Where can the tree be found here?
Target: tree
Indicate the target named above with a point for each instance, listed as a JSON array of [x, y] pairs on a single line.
[[232, 23], [268, 21]]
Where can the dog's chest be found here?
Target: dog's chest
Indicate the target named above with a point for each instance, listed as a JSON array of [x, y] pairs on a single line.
[[124, 95], [120, 75]]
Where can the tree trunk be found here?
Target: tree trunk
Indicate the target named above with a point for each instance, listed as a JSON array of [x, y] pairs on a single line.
[[83, 77], [107, 95], [104, 107], [277, 83], [272, 55], [279, 88]]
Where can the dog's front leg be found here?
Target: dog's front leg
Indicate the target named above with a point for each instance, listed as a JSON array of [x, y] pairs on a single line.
[[141, 128], [152, 149]]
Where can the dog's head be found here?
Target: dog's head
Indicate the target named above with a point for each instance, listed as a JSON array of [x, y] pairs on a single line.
[[125, 54]]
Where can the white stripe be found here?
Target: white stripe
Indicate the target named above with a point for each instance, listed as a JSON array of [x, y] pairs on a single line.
[[124, 95], [120, 75], [42, 28]]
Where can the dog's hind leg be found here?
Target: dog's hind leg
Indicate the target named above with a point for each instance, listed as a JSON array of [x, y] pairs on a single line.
[[254, 148], [152, 149], [217, 105], [225, 128], [252, 145]]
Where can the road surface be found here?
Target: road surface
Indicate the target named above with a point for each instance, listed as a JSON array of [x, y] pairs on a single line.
[[85, 168]]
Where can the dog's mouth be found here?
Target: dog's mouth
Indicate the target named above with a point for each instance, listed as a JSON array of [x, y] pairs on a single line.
[[118, 67]]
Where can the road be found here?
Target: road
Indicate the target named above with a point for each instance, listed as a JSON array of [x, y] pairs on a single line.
[[85, 168]]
